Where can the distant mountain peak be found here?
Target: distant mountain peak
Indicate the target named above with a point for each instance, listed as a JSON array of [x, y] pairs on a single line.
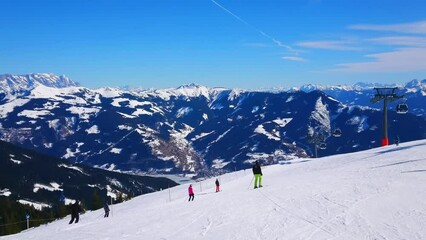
[[187, 91], [191, 85], [10, 83], [363, 85], [359, 86], [415, 83]]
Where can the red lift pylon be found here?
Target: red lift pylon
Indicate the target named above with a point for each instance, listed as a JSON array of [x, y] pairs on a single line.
[[387, 95]]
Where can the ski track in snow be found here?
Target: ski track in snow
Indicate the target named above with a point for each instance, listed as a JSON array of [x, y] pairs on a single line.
[[376, 194], [207, 227]]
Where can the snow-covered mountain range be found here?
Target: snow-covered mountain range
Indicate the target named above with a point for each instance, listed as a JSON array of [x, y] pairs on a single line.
[[375, 194], [360, 94], [13, 84], [191, 129]]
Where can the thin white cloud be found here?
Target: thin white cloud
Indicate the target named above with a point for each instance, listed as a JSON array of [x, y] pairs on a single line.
[[405, 41], [414, 27], [294, 58], [329, 45], [274, 40], [401, 60]]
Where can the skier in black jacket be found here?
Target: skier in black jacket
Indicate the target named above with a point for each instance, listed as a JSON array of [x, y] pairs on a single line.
[[257, 171], [106, 208], [396, 140], [75, 211], [217, 185]]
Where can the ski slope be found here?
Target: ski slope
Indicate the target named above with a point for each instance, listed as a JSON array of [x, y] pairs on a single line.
[[375, 194]]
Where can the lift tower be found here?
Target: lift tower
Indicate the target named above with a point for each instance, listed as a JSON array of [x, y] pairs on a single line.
[[387, 95]]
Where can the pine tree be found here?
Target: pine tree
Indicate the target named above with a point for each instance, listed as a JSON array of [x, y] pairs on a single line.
[[96, 200]]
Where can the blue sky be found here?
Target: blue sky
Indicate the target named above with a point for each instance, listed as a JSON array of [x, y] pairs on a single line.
[[249, 44]]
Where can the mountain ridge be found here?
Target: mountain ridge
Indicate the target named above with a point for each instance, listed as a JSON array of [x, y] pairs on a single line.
[[193, 129], [29, 81], [10, 84]]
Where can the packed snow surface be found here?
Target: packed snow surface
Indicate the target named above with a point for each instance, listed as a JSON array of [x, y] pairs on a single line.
[[375, 194]]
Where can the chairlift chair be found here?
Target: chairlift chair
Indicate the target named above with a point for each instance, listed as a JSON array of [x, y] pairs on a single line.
[[337, 132], [322, 145], [402, 108]]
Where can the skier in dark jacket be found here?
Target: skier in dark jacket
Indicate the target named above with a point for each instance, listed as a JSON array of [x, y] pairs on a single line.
[[257, 171], [217, 185], [75, 211], [396, 140], [106, 208]]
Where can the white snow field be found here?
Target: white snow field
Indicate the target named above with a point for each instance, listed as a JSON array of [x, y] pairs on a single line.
[[375, 194]]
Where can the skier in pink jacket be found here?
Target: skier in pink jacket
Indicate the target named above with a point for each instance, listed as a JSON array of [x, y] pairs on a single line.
[[190, 192]]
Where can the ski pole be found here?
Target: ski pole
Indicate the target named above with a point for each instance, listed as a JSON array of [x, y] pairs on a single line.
[[111, 206], [250, 182]]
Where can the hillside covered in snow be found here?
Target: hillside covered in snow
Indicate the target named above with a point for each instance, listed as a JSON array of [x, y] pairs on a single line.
[[191, 129], [375, 194]]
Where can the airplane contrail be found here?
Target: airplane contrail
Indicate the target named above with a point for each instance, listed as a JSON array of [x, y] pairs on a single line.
[[277, 42]]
